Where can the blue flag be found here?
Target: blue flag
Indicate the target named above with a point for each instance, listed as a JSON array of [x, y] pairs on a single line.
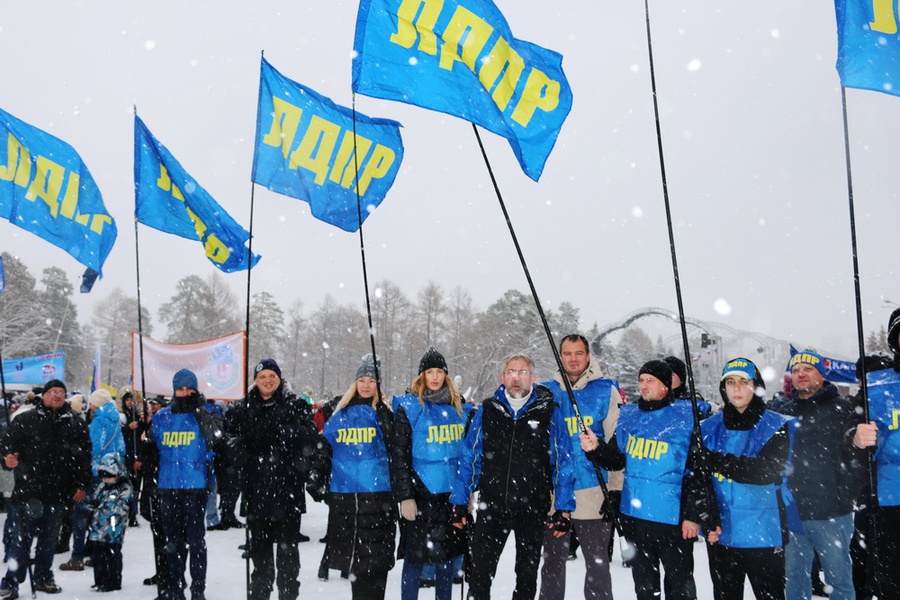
[[46, 189], [168, 199], [868, 45], [459, 57], [305, 149]]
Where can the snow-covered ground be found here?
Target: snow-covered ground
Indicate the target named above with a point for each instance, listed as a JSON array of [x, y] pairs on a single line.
[[226, 576]]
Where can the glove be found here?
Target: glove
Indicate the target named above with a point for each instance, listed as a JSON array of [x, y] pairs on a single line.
[[459, 515], [408, 509], [610, 505], [315, 485], [559, 522]]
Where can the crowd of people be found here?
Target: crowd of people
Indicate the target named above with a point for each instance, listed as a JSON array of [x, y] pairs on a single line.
[[770, 487]]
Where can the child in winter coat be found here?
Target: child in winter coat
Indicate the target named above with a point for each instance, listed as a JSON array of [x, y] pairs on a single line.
[[110, 505]]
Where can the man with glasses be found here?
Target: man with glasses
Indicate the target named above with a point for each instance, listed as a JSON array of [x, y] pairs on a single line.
[[49, 450], [516, 452]]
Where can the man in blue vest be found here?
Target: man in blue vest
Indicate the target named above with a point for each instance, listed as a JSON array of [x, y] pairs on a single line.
[[598, 403], [182, 434], [881, 433], [662, 502]]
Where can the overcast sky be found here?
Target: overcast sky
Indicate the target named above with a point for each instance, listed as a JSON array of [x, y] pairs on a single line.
[[750, 109]]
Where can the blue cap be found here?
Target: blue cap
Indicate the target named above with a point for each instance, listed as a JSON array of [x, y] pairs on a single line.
[[740, 367]]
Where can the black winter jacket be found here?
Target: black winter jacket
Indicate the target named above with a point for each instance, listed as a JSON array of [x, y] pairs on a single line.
[[54, 449], [827, 470], [277, 438]]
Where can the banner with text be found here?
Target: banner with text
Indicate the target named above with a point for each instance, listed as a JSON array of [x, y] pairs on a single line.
[[217, 363]]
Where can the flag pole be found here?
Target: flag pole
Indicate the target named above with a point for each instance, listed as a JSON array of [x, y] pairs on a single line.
[[566, 383], [863, 384], [362, 253], [665, 188], [249, 269], [3, 389], [137, 270]]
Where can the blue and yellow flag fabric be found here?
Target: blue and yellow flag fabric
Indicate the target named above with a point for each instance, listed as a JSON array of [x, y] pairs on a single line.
[[868, 45], [305, 149], [46, 189], [168, 199], [459, 57]]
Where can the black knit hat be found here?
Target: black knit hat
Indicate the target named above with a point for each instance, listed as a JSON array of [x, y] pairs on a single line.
[[894, 331], [678, 367], [267, 364], [54, 383], [659, 369], [432, 359]]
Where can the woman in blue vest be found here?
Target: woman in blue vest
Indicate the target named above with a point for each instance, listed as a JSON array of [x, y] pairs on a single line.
[[662, 500], [747, 451], [429, 425], [356, 458]]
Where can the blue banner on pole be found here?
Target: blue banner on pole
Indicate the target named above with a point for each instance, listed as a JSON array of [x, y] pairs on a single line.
[[868, 45], [35, 370], [46, 189], [460, 57], [308, 147], [168, 199]]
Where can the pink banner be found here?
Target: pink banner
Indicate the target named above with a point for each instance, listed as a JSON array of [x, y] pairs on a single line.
[[218, 364]]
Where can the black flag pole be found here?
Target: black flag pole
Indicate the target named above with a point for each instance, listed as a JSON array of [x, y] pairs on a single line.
[[863, 384], [568, 386], [665, 189], [362, 254]]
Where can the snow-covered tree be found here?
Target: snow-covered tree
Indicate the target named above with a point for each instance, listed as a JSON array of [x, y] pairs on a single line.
[[266, 328], [114, 319], [21, 322]]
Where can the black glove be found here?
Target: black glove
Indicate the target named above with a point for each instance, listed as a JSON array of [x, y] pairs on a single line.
[[610, 505], [559, 522], [459, 514], [315, 485]]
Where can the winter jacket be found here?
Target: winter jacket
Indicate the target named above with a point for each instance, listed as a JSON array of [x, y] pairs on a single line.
[[598, 402], [362, 518], [428, 441], [277, 438], [827, 470], [110, 502], [106, 434], [54, 450], [516, 459]]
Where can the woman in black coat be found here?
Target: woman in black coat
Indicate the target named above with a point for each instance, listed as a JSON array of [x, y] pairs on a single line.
[[355, 467]]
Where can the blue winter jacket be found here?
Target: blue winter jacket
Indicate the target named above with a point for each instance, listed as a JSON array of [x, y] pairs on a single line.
[[106, 434]]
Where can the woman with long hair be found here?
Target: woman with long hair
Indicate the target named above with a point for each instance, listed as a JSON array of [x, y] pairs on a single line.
[[355, 461], [429, 424]]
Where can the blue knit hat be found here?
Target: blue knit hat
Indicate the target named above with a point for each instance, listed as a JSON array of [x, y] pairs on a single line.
[[809, 357], [185, 378]]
